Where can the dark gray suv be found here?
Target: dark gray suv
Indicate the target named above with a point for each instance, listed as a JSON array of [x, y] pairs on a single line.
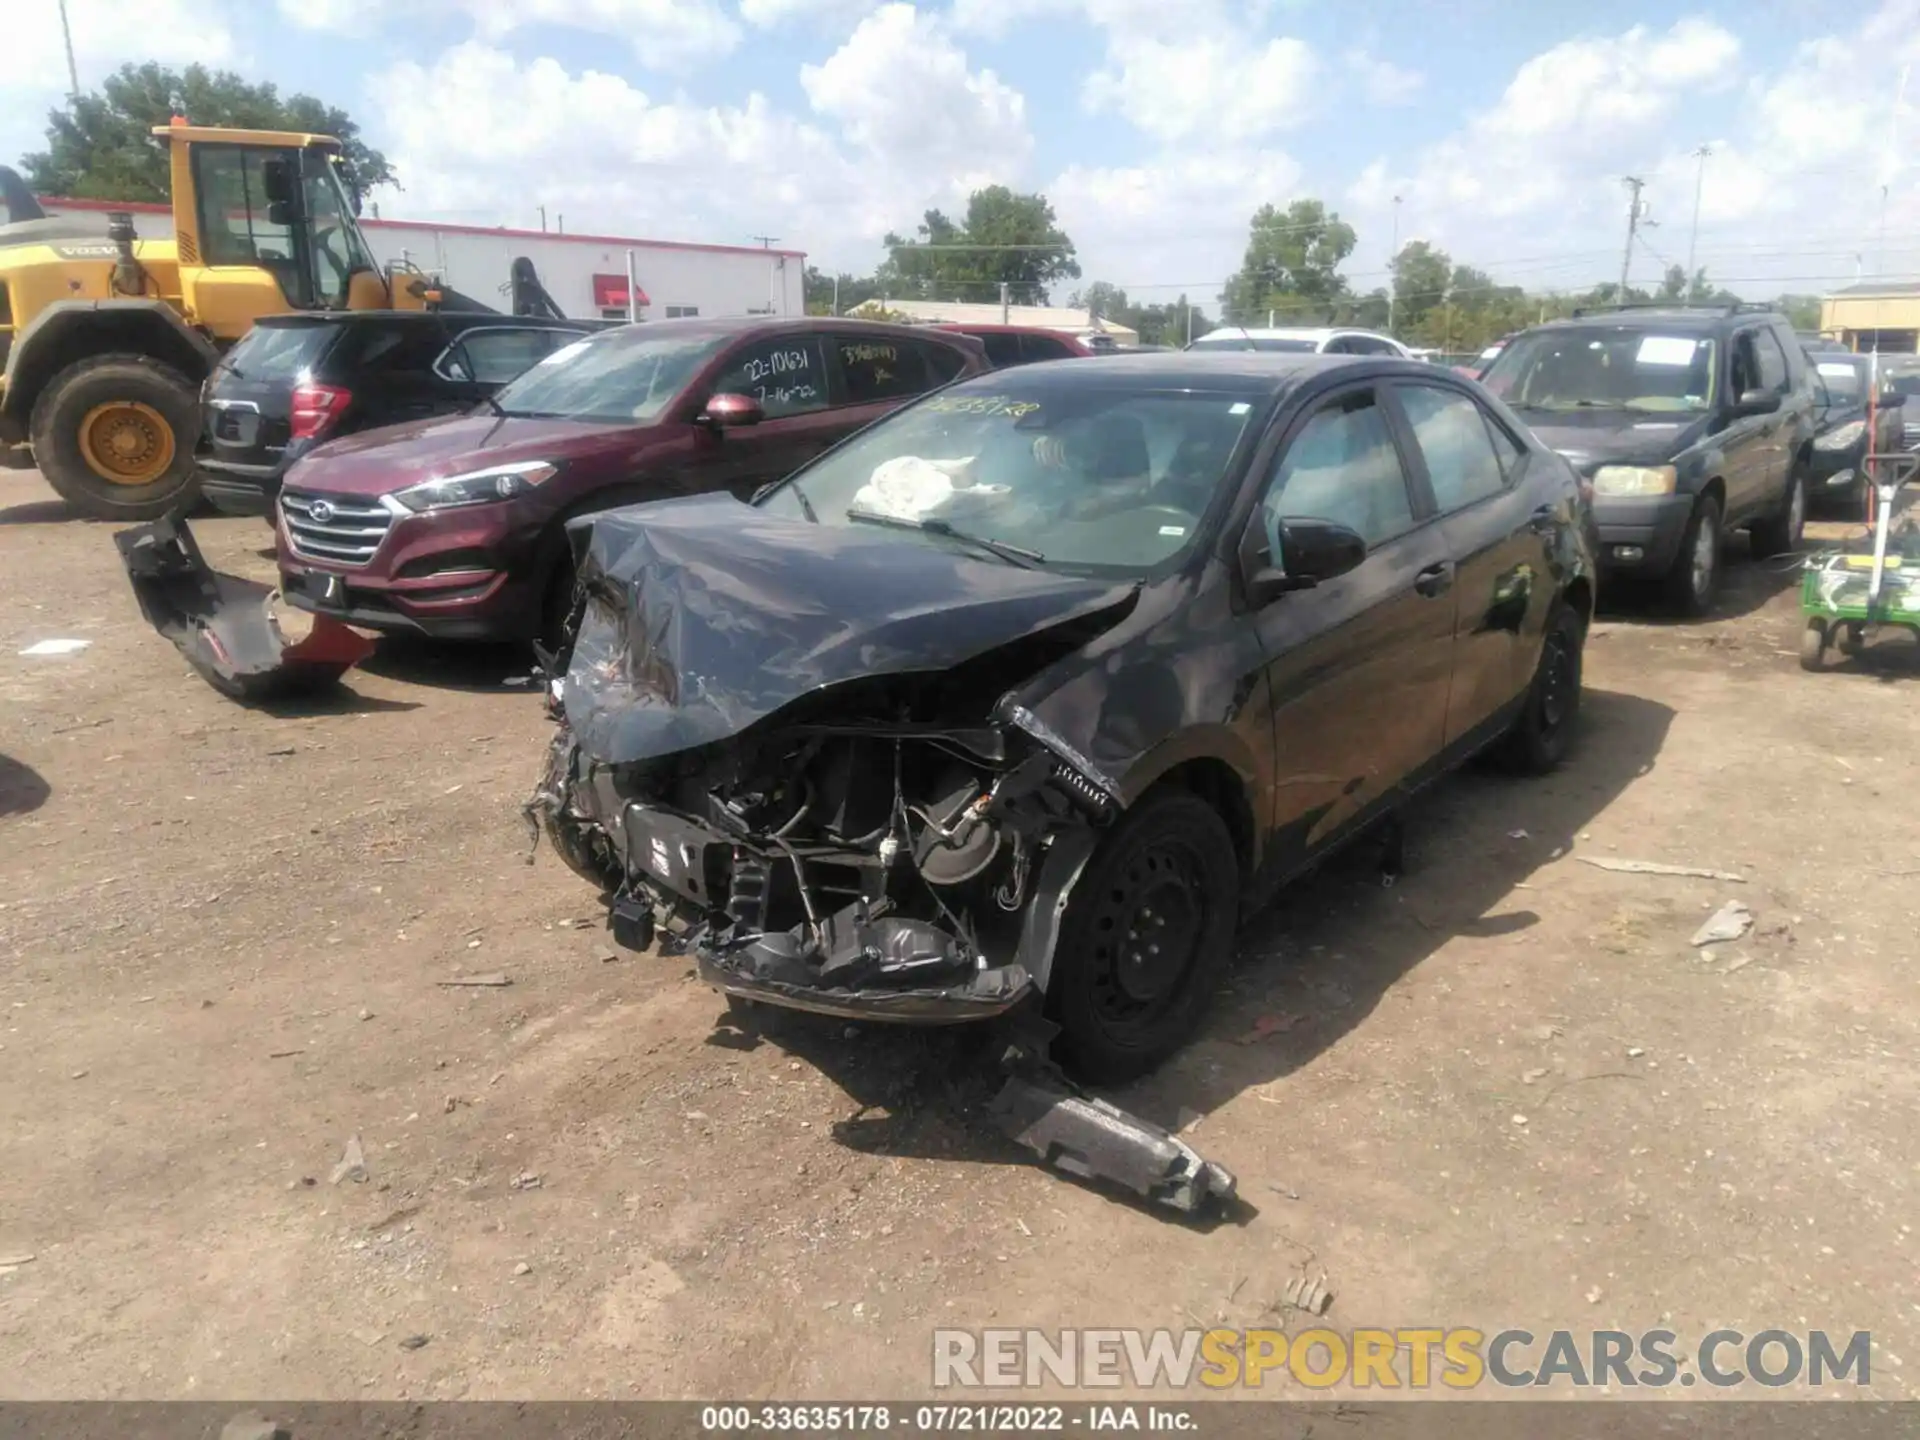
[[1687, 422]]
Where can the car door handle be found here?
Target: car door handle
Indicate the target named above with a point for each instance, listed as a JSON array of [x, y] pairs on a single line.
[[1435, 579]]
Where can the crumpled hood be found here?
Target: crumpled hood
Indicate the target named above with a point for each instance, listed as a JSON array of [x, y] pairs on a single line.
[[1591, 438], [378, 462], [706, 615]]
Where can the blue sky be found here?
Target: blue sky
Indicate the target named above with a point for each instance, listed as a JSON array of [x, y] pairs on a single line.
[[1155, 128]]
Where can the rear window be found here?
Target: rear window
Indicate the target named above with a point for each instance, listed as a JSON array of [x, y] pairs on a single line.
[[278, 352]]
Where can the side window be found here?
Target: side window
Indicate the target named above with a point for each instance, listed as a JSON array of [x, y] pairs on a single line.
[[785, 373], [1042, 347], [375, 350], [876, 369], [495, 356], [1453, 438], [1341, 466], [1002, 349], [1339, 345], [1511, 452], [943, 362], [236, 227], [1773, 362], [1744, 370], [682, 312]]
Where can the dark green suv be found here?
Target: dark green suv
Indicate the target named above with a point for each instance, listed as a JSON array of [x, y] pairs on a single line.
[[1687, 421]]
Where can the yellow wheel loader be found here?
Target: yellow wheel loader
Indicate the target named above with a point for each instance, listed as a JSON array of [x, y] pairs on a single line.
[[106, 337]]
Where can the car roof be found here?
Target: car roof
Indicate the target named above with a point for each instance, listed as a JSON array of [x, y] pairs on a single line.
[[1676, 317], [1259, 372], [973, 327], [1284, 332]]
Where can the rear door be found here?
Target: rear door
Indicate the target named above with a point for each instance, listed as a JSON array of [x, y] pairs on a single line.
[[249, 396], [1500, 529], [387, 366], [1358, 668]]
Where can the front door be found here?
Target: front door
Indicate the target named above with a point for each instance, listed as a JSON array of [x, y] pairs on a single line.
[[1748, 440], [1500, 531], [788, 375], [1358, 668]]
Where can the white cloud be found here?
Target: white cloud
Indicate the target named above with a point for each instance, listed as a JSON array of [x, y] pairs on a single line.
[[900, 123], [662, 34], [106, 35], [1178, 221], [1212, 85], [904, 95], [769, 14], [1383, 82]]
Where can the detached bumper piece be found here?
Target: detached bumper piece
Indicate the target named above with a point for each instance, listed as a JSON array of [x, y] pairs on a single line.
[[226, 626], [1093, 1140]]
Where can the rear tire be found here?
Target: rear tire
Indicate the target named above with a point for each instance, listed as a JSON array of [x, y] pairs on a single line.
[[1542, 732], [1781, 534], [1146, 938], [114, 435], [1694, 579]]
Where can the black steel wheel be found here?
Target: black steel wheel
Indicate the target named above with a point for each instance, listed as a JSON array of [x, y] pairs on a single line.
[[1543, 730], [1146, 937]]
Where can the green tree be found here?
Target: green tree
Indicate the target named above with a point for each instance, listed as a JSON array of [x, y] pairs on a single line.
[[1006, 238], [851, 290], [1802, 311], [1420, 278], [1292, 266], [99, 146], [1674, 286]]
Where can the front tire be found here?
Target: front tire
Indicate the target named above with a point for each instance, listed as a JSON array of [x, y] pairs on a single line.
[[114, 436], [1813, 645], [1694, 578], [1146, 939]]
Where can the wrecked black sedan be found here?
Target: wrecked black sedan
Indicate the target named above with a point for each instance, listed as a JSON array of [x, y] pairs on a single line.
[[1029, 691]]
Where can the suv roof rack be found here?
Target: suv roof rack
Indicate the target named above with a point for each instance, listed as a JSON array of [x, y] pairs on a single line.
[[1709, 307]]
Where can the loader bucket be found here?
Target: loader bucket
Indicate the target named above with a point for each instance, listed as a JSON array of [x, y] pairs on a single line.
[[228, 627]]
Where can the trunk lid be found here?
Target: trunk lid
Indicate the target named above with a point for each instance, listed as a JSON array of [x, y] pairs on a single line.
[[248, 398]]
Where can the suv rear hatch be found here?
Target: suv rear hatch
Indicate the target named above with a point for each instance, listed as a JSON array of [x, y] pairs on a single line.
[[249, 396]]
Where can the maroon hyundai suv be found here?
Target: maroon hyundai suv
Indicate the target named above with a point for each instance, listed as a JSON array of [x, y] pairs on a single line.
[[455, 527]]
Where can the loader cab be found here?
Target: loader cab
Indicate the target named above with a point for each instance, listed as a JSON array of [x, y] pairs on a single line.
[[265, 223]]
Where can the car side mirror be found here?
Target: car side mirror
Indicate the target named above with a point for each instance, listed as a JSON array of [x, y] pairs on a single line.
[[730, 412], [1311, 552], [1756, 402]]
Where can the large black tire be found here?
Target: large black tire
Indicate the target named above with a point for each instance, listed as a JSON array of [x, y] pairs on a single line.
[[1780, 533], [1146, 938], [144, 414], [1543, 730], [1687, 587]]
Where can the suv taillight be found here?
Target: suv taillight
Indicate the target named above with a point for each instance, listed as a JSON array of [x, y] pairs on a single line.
[[315, 408]]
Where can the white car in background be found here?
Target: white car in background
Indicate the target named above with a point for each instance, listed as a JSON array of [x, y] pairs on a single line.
[[1330, 340]]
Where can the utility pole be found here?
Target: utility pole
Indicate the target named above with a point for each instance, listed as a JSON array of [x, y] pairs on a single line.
[[1635, 184], [766, 241], [543, 219], [73, 71], [1699, 182], [1393, 266], [1004, 303], [836, 294]]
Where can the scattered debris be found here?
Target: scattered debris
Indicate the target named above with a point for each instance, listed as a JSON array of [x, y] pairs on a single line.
[[1093, 1140], [41, 648], [369, 1338], [14, 1262], [453, 1103], [1518, 835], [283, 750], [353, 1164], [1544, 1033], [305, 1182], [1729, 922], [523, 1268], [1280, 1189], [1593, 1296], [1738, 962], [1266, 1025], [414, 1342], [1527, 1077], [284, 1054], [1634, 1052], [78, 1075], [608, 957], [492, 980], [365, 1014], [527, 1180], [1654, 867], [1519, 1119], [227, 627], [387, 1222], [1311, 1296]]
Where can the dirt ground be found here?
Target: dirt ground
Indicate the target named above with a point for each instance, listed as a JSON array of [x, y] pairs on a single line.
[[1516, 1095]]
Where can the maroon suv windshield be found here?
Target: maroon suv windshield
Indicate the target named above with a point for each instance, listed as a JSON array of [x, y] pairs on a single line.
[[625, 376]]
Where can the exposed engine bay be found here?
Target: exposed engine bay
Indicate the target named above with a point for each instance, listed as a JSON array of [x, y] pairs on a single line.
[[893, 867]]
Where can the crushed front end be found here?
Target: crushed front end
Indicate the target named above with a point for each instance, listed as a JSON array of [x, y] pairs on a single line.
[[844, 816]]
